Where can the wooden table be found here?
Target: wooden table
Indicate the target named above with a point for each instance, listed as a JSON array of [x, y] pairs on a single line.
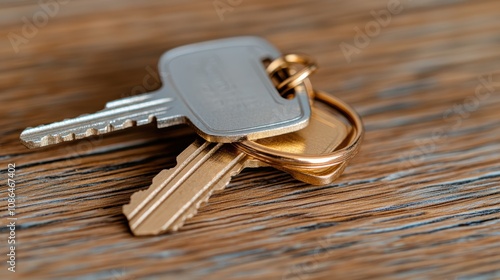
[[421, 200]]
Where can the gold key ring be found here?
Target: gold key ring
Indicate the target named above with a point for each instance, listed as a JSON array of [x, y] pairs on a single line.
[[294, 161], [285, 62]]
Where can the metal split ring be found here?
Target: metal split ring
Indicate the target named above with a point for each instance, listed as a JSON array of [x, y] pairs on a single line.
[[293, 78]]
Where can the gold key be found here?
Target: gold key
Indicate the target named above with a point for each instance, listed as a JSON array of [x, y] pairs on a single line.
[[177, 193]]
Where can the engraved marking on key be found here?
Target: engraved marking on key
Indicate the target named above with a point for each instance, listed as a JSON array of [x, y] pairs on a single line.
[[219, 87], [202, 168]]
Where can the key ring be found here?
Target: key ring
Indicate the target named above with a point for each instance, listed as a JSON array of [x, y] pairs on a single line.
[[284, 63], [295, 161]]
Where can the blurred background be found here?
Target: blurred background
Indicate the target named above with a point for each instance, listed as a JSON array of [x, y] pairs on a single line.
[[424, 75], [111, 48]]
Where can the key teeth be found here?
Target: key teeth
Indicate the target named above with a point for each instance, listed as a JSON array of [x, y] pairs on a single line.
[[109, 128], [179, 223], [127, 208], [89, 132], [222, 184], [41, 141], [70, 137], [129, 123], [137, 195], [49, 140]]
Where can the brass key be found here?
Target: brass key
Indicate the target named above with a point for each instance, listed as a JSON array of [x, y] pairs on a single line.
[[176, 194]]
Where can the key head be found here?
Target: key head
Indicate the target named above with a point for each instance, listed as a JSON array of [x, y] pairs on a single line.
[[226, 91]]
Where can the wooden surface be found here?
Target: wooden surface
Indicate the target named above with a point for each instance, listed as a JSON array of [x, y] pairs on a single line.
[[420, 201]]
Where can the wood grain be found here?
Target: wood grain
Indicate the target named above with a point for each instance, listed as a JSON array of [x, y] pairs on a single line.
[[420, 201]]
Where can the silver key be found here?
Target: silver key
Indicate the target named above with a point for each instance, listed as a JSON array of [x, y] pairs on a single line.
[[218, 87]]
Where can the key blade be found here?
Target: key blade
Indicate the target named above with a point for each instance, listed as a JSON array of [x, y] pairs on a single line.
[[176, 194], [118, 115]]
